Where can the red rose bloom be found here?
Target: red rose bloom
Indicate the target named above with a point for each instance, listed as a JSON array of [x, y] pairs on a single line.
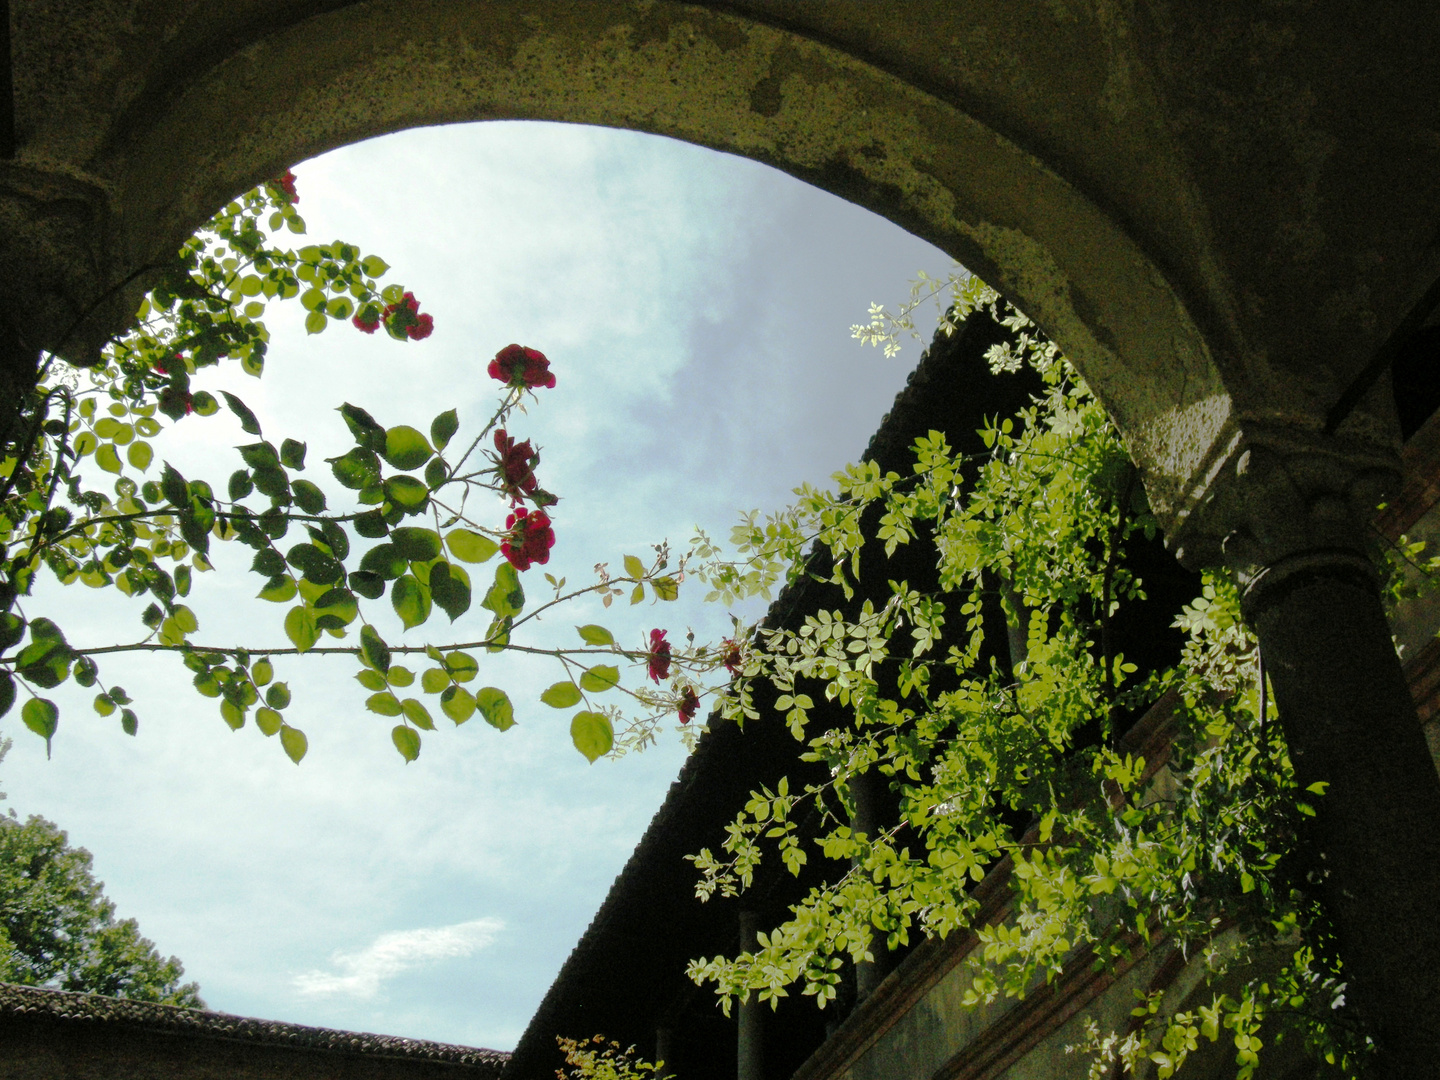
[[516, 465], [657, 660], [530, 538], [367, 319], [286, 184], [730, 656], [403, 319], [689, 702], [515, 365]]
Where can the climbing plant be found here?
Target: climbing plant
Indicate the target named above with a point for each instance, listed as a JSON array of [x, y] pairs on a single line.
[[401, 517], [1007, 757]]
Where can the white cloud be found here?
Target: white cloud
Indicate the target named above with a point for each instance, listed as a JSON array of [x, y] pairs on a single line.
[[360, 973]]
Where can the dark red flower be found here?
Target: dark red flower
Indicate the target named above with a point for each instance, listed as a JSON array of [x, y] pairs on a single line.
[[515, 465], [530, 538], [367, 319], [515, 365], [657, 660], [689, 703], [730, 656], [286, 184], [403, 319]]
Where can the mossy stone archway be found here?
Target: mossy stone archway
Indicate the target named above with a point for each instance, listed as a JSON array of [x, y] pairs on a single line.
[[1035, 141], [1220, 211]]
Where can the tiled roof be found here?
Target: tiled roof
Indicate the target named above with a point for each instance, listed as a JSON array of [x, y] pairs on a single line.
[[73, 1008]]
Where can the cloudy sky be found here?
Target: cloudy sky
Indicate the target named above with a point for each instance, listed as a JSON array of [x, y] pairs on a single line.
[[696, 310]]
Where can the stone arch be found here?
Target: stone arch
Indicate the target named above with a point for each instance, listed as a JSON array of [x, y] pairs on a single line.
[[200, 107]]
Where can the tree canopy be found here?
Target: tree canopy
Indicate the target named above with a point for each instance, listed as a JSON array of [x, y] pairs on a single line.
[[58, 929]]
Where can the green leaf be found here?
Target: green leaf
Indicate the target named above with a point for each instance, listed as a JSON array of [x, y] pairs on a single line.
[[592, 734], [232, 714], [494, 705], [371, 680], [374, 266], [278, 695], [292, 454], [268, 720], [367, 432], [317, 567], [457, 703], [384, 703], [385, 560], [462, 666], [436, 473], [406, 448], [450, 589], [104, 704], [129, 723], [278, 590], [434, 680], [666, 588], [417, 714], [261, 672], [315, 322], [469, 546], [248, 423], [371, 586], [308, 497], [600, 678], [506, 596], [407, 741], [373, 648], [204, 403], [240, 484], [260, 455], [409, 494], [359, 468], [42, 716], [634, 567], [85, 673], [12, 629], [595, 635], [561, 695], [443, 428], [371, 525], [140, 454], [294, 742], [416, 545], [7, 692], [411, 601], [300, 628], [399, 676], [107, 458]]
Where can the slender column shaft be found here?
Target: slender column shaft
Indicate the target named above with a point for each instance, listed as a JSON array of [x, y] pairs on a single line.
[[868, 792], [750, 1047], [1350, 722]]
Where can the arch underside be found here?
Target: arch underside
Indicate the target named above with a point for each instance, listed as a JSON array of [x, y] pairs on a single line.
[[1034, 142]]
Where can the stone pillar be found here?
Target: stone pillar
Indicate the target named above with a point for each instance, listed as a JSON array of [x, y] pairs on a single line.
[[868, 790], [750, 1055], [1298, 514]]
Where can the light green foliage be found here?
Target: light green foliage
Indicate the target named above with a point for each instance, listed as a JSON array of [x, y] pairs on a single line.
[[599, 1059], [57, 929], [390, 519], [1115, 854]]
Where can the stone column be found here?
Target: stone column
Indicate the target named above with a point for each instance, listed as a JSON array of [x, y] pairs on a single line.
[[750, 1048], [1297, 512], [869, 792]]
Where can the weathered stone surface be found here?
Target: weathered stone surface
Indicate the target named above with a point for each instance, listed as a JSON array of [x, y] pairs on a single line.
[[1219, 211]]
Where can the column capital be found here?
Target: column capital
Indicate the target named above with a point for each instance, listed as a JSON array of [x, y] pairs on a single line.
[[1287, 501], [60, 252]]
